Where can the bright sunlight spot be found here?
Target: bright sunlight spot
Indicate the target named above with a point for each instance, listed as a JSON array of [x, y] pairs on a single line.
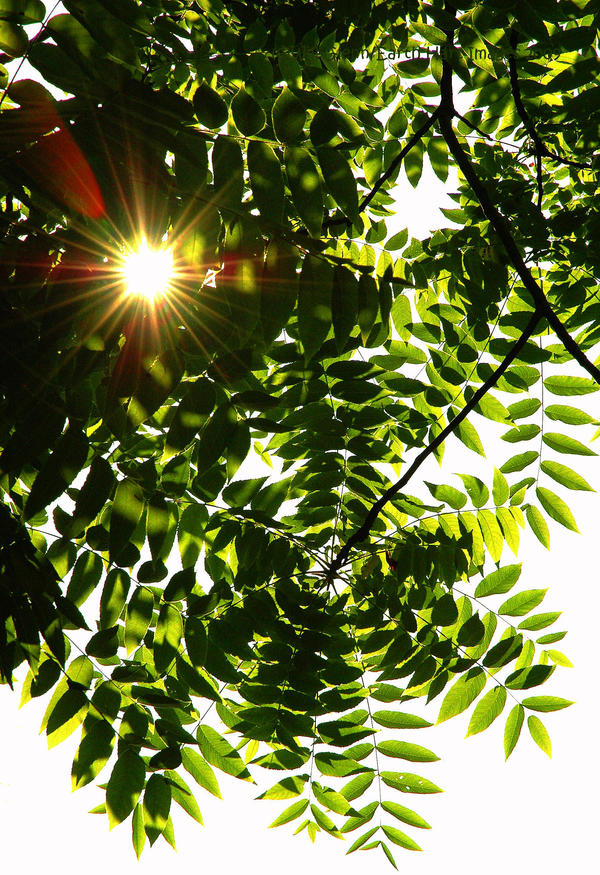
[[148, 272]]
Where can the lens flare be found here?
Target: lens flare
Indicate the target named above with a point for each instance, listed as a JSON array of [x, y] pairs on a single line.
[[148, 272]]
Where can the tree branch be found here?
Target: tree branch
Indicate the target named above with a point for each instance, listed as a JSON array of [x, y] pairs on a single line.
[[501, 226], [413, 139], [540, 148], [362, 533]]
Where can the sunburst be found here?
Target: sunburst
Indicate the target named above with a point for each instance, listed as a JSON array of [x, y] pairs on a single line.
[[148, 272]]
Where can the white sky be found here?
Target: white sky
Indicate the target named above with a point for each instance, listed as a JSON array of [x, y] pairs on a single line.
[[529, 812]]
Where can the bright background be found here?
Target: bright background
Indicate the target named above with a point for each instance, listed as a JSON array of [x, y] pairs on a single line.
[[529, 812]]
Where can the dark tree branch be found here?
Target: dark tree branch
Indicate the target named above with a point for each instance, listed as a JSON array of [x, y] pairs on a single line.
[[541, 149], [472, 126], [413, 139], [502, 229], [362, 533], [501, 226]]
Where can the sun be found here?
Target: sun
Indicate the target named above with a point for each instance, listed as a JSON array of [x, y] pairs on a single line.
[[148, 272]]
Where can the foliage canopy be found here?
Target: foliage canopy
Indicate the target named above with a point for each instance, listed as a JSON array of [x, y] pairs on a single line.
[[184, 617]]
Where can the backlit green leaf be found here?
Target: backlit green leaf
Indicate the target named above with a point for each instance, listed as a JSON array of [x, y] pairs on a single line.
[[556, 508], [512, 730], [486, 710], [463, 692]]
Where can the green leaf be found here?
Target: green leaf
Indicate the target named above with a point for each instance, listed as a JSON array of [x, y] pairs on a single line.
[[522, 603], [314, 304], [64, 715], [127, 508], [471, 632], [413, 163], [486, 710], [569, 415], [357, 786], [539, 621], [23, 11], [433, 35], [546, 703], [409, 783], [437, 150], [180, 585], [538, 525], [405, 815], [400, 838], [13, 39], [289, 117], [368, 305], [363, 816], [279, 288], [248, 115], [464, 691], [556, 508], [167, 638], [114, 596], [492, 533], [228, 175], [400, 720], [466, 433], [93, 494], [138, 833], [291, 813], [157, 803], [241, 493], [344, 304], [266, 180], [125, 784], [331, 800], [518, 462], [447, 494], [286, 788], [339, 180], [509, 527], [403, 750], [559, 658], [539, 734], [491, 408], [499, 581], [191, 414], [565, 476], [362, 840], [562, 443], [570, 385], [218, 752], [184, 797], [86, 576], [58, 472], [525, 678], [210, 108], [137, 617], [478, 491], [521, 433], [200, 771], [337, 765], [94, 751], [196, 640], [512, 730], [523, 409], [305, 186]]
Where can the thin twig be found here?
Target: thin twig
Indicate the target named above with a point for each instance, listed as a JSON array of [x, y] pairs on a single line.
[[362, 533]]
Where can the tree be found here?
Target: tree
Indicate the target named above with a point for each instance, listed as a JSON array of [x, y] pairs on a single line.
[[298, 614]]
